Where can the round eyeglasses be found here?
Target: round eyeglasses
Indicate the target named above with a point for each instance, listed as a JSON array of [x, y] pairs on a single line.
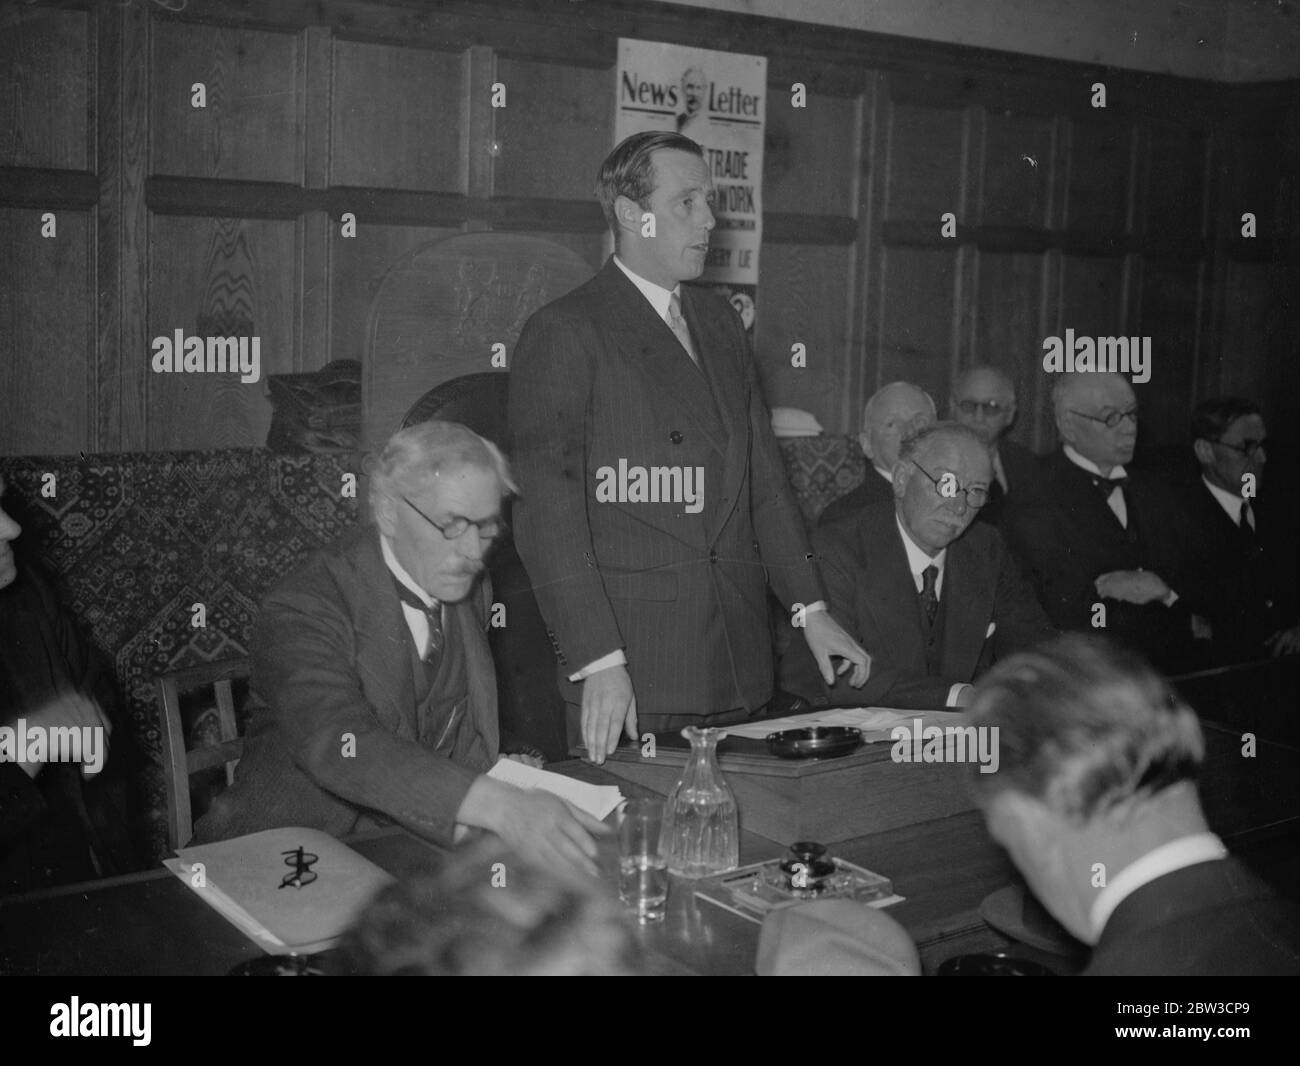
[[946, 486]]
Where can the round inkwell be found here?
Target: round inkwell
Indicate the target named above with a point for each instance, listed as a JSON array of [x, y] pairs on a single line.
[[806, 870]]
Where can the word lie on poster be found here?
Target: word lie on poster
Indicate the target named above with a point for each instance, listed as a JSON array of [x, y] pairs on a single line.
[[718, 100]]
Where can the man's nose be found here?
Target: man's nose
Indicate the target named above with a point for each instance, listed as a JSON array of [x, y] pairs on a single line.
[[9, 529], [471, 545]]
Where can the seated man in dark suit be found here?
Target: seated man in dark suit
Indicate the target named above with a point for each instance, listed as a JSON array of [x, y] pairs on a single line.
[[934, 597], [1246, 536], [59, 821], [1095, 800], [1104, 548], [895, 412], [376, 699], [984, 401]]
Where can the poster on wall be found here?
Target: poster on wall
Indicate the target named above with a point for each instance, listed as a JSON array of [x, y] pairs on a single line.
[[718, 100]]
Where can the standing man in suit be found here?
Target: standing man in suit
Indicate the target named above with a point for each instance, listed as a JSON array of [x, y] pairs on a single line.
[[376, 698], [1106, 549], [1247, 538], [895, 412], [1097, 775], [984, 400], [654, 506], [936, 595]]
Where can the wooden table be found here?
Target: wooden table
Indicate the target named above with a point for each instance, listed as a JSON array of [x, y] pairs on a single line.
[[150, 923]]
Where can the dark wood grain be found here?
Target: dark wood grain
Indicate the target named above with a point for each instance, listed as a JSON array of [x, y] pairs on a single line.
[[46, 89]]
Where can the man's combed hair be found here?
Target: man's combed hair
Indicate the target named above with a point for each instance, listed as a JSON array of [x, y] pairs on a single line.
[[416, 455], [629, 169], [915, 444], [1211, 419], [488, 913], [1084, 725]]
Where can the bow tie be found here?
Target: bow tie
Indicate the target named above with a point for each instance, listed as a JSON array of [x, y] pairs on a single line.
[[1107, 485]]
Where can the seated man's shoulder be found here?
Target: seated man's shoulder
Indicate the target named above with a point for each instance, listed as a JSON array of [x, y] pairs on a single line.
[[329, 566], [850, 536]]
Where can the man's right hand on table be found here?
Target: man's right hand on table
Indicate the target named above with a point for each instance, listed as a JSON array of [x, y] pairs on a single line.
[[608, 706], [539, 827]]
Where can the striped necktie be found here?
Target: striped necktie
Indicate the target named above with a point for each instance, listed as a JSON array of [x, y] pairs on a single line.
[[678, 325], [432, 614]]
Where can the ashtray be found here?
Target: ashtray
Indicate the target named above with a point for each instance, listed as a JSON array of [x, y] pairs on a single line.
[[814, 742]]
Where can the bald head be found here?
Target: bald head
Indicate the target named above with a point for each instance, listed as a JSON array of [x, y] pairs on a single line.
[[893, 413], [984, 400], [1082, 403], [935, 515]]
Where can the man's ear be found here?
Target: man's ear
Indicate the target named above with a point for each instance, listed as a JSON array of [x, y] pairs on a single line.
[[1204, 451], [385, 513], [628, 214], [899, 479], [864, 442]]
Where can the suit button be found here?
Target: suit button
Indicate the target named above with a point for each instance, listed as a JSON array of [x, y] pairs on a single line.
[[675, 436], [713, 557], [1268, 603]]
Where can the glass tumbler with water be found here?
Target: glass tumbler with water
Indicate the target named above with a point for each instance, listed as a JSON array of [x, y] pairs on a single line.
[[701, 828], [642, 870]]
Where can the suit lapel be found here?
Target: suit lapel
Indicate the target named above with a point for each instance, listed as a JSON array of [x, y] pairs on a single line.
[[482, 679], [655, 351], [967, 599], [890, 593], [387, 652]]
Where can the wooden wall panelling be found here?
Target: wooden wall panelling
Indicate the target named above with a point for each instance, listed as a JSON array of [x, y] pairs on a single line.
[[1018, 156], [804, 295], [924, 163], [918, 317], [810, 155], [1171, 313], [555, 129], [46, 89], [1009, 326], [868, 202], [1099, 175], [251, 127], [359, 266], [220, 277], [46, 345], [397, 114], [312, 291]]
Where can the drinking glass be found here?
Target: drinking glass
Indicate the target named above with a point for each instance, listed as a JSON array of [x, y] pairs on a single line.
[[642, 868]]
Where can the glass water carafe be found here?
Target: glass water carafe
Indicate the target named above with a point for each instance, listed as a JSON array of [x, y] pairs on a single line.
[[701, 834]]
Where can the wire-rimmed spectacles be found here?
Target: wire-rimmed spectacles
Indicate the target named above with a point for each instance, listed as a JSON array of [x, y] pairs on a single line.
[[976, 496], [1247, 447], [1111, 420], [488, 529]]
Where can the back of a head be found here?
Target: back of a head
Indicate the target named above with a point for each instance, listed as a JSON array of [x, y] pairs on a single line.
[[414, 456], [486, 913], [1084, 725]]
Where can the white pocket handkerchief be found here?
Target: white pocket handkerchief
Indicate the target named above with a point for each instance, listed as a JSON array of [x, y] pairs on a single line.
[[989, 632]]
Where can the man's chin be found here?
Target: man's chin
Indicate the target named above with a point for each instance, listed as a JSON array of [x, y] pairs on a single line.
[[8, 572]]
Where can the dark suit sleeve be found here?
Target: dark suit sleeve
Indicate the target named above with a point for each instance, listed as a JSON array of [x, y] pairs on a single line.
[[550, 386], [304, 671], [778, 524], [1064, 590], [891, 684], [21, 802], [1020, 618]]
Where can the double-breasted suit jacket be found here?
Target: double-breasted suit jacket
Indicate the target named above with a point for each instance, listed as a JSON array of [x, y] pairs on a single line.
[[598, 380]]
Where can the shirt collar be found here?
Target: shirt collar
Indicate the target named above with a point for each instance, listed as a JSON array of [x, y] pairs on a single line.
[[917, 560], [398, 571], [1229, 501], [887, 475], [1088, 465], [656, 294], [1185, 851]]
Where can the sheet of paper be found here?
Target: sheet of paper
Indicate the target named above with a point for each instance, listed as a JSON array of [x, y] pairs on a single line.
[[596, 800], [243, 879], [875, 722]]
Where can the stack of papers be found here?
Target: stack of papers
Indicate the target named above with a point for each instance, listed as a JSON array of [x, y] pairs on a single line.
[[244, 879], [875, 722], [596, 800]]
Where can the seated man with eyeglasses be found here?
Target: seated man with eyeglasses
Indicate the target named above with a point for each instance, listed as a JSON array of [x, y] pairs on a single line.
[[934, 597], [1107, 549], [1246, 534], [983, 400], [375, 694]]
